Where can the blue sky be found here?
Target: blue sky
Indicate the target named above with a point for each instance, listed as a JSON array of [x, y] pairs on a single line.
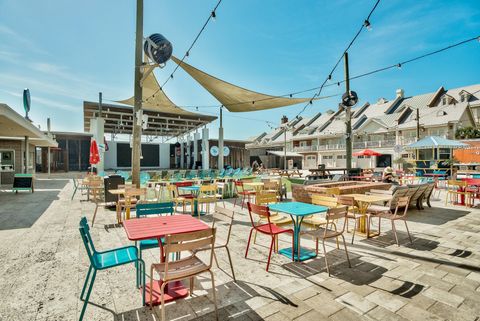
[[68, 51]]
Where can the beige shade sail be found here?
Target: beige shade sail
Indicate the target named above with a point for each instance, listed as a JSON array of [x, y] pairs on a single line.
[[235, 98], [155, 99]]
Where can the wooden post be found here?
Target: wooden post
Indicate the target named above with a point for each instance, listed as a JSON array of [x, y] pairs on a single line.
[[137, 129]]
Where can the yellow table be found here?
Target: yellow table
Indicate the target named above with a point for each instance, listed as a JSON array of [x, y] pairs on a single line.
[[363, 202]]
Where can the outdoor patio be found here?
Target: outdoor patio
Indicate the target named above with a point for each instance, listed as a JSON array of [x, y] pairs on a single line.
[[44, 264]]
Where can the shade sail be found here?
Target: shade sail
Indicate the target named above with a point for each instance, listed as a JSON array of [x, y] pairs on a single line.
[[155, 99], [436, 142], [235, 98]]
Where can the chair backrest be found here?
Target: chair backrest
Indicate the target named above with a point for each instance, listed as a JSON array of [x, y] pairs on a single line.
[[337, 178], [319, 199], [260, 210], [188, 242], [225, 215], [335, 214], [455, 183], [346, 200], [332, 191], [271, 185], [403, 202], [87, 238], [131, 193], [266, 197], [145, 209], [209, 190]]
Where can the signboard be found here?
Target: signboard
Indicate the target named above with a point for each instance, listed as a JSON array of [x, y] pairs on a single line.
[[214, 151], [226, 151], [23, 182]]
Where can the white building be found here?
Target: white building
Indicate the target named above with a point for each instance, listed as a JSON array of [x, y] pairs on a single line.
[[385, 126]]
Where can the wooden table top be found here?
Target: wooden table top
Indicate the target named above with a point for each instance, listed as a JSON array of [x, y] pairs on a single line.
[[370, 198]]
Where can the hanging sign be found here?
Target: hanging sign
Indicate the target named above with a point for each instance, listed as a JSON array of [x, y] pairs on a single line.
[[226, 151], [214, 151]]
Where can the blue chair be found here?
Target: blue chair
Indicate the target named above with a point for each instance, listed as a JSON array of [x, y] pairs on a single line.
[[144, 178], [222, 173], [106, 260], [190, 175], [146, 209]]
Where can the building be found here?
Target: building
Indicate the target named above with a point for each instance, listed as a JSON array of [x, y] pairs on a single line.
[[385, 126], [19, 143]]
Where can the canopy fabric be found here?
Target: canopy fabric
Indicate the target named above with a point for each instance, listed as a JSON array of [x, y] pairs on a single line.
[[154, 98], [235, 98], [436, 142], [94, 155], [281, 153], [367, 152]]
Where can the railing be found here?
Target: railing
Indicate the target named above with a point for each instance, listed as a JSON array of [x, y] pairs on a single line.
[[373, 144], [331, 147], [305, 148]]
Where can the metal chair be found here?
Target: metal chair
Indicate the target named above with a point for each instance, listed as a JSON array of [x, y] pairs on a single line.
[[402, 203], [240, 190], [187, 267], [330, 231], [268, 229], [207, 195], [148, 209], [352, 211], [106, 260]]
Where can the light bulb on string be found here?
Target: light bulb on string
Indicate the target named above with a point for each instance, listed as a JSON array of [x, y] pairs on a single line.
[[367, 25], [399, 66], [214, 15]]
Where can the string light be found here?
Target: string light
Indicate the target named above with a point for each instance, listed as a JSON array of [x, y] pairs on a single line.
[[399, 66], [214, 15], [367, 25]]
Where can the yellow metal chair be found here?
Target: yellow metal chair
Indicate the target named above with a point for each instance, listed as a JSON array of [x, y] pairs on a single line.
[[172, 190], [455, 189], [207, 195]]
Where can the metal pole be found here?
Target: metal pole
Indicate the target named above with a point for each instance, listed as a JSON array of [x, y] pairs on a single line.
[[220, 141], [285, 148], [26, 154], [418, 125], [48, 160], [348, 123], [137, 129]]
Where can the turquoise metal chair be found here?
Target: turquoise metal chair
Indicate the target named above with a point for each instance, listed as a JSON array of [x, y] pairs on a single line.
[[146, 209], [222, 173], [191, 175], [106, 260], [144, 178]]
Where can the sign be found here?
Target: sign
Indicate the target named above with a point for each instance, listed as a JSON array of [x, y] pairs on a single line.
[[214, 151], [226, 151], [23, 182]]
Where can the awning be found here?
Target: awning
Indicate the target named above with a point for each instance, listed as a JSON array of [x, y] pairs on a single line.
[[282, 154], [436, 142], [235, 98], [15, 127], [154, 99]]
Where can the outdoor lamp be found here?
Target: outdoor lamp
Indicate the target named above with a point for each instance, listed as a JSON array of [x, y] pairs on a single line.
[[158, 48], [349, 99]]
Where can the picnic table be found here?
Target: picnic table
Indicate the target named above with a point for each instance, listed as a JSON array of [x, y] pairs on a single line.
[[297, 211], [363, 202], [156, 228]]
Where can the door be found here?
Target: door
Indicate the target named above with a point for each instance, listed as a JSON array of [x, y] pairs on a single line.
[[310, 161]]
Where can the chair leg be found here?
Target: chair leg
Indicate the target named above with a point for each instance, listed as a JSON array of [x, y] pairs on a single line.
[[162, 299], [86, 282], [74, 191], [231, 264], [270, 251], [395, 232], [316, 245], [141, 278], [248, 243], [151, 287], [88, 295], [214, 294], [215, 258], [408, 232], [192, 282], [354, 228], [346, 252], [379, 224], [325, 255], [94, 214]]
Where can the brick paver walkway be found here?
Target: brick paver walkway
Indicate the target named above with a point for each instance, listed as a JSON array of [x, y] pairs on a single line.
[[43, 266]]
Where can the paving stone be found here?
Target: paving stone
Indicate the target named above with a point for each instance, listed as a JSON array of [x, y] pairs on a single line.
[[356, 302], [386, 300], [413, 313], [381, 314], [462, 313], [444, 296], [325, 304]]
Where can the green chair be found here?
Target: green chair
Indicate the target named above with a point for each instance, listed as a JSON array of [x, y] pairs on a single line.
[[146, 209], [106, 260]]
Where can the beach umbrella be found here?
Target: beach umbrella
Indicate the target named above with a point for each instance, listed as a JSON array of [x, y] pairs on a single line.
[[94, 154], [367, 152]]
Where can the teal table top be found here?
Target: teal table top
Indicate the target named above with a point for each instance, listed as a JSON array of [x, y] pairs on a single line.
[[189, 188], [298, 208]]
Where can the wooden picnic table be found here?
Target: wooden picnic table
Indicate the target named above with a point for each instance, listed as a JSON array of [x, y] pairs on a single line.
[[363, 202], [156, 228]]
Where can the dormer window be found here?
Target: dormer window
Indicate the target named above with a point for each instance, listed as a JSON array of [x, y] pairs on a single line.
[[444, 100]]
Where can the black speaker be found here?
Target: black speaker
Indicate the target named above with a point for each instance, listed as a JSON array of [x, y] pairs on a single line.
[[112, 182]]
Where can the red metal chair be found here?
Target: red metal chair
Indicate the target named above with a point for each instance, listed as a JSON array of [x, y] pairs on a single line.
[[268, 228], [240, 190], [184, 184]]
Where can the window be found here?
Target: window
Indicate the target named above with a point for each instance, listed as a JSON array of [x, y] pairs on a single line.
[[327, 157], [444, 100], [341, 156], [7, 158]]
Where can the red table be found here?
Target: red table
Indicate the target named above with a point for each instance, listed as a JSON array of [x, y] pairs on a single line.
[[158, 227]]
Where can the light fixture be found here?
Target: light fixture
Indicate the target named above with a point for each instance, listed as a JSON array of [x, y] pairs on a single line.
[[214, 15], [367, 25], [399, 66]]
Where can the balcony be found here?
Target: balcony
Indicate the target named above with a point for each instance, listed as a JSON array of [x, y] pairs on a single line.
[[311, 148], [331, 147], [374, 144]]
